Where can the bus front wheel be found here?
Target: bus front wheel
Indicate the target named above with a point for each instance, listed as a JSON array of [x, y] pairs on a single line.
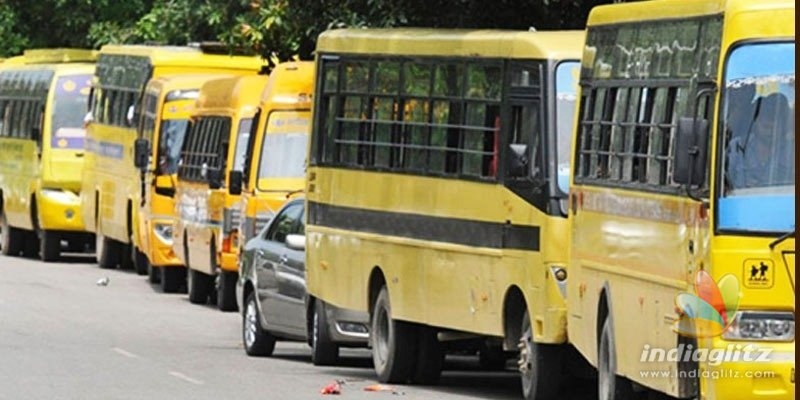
[[12, 238], [394, 343], [540, 365]]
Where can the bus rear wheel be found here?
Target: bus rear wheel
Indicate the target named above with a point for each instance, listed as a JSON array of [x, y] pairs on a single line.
[[540, 365], [107, 251], [394, 343]]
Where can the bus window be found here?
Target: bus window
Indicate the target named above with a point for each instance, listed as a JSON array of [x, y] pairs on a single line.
[[242, 139]]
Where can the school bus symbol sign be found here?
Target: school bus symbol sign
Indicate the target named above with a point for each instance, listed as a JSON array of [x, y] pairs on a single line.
[[758, 273]]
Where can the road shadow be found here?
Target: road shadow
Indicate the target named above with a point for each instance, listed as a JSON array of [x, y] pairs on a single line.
[[77, 258]]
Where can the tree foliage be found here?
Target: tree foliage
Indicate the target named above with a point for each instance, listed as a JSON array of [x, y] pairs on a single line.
[[277, 29]]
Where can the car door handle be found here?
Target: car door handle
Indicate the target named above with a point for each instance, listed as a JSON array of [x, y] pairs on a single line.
[[284, 259]]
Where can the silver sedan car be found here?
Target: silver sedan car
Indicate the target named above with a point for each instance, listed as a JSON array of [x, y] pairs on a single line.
[[271, 292]]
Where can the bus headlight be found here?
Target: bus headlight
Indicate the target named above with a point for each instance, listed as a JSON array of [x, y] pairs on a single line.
[[163, 232], [761, 326]]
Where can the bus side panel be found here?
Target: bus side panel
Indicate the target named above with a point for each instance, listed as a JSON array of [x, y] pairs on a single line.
[[626, 246]]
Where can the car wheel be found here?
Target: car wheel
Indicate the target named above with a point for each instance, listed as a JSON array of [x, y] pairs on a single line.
[[394, 343], [257, 341], [226, 290], [540, 365], [12, 238], [49, 246], [609, 385], [198, 285], [323, 350]]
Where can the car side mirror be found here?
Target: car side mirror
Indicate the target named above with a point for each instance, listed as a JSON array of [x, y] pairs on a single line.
[[235, 180], [296, 242], [214, 178], [141, 153], [518, 157], [691, 144], [164, 185]]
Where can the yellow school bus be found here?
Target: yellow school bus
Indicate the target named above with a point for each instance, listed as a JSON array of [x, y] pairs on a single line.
[[112, 187], [433, 197], [166, 108], [683, 200], [276, 155], [207, 205], [43, 97]]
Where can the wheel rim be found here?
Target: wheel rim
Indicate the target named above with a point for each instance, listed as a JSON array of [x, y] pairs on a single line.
[[525, 356], [381, 336], [250, 321]]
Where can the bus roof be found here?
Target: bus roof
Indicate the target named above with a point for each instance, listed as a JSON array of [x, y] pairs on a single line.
[[454, 42], [169, 83], [676, 9], [230, 95], [171, 56], [61, 55], [290, 83]]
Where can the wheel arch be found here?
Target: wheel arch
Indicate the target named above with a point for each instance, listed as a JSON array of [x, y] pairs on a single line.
[[514, 308], [377, 279]]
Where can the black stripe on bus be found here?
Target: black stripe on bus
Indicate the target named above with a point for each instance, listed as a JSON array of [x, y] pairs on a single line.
[[426, 227]]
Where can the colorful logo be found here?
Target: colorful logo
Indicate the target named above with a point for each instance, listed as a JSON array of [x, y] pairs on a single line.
[[711, 310]]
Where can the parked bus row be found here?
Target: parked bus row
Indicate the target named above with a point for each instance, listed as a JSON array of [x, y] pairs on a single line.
[[567, 199]]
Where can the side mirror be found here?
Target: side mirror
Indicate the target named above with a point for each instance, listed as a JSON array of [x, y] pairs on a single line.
[[214, 178], [691, 145], [141, 153], [164, 185], [235, 180], [518, 158], [36, 134], [296, 242]]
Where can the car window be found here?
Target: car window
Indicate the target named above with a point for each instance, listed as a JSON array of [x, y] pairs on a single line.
[[286, 222]]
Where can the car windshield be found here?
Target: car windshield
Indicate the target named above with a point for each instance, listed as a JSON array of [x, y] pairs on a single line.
[[758, 165]]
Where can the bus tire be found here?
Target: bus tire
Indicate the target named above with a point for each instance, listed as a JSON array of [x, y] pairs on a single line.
[[540, 365], [140, 262], [172, 278], [226, 291], [12, 238], [107, 251], [609, 385], [153, 273], [394, 343], [323, 350], [430, 357], [198, 285], [49, 246]]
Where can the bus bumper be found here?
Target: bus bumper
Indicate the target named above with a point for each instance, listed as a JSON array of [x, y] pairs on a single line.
[[161, 251], [745, 377], [59, 210]]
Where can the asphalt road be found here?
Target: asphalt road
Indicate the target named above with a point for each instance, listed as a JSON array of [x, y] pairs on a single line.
[[62, 336]]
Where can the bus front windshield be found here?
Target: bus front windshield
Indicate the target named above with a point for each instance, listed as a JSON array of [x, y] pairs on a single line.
[[757, 163], [69, 109], [566, 92], [170, 142], [283, 150]]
